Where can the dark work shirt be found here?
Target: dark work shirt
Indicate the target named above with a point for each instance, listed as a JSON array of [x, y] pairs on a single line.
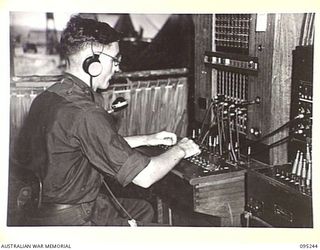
[[70, 141]]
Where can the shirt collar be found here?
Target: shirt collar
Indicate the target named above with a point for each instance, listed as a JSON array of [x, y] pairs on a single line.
[[77, 81], [96, 98]]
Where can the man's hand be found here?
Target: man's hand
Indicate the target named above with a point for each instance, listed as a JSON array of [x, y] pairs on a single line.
[[189, 147], [160, 165], [162, 138]]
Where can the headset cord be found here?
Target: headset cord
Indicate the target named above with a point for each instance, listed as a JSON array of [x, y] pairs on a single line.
[[91, 90], [91, 80], [116, 200]]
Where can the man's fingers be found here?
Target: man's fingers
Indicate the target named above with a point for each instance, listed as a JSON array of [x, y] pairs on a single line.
[[168, 138], [198, 151], [184, 139], [168, 141], [190, 147]]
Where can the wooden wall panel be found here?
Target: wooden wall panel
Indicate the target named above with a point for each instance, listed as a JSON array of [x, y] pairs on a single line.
[[286, 38], [203, 42], [273, 83], [259, 115]]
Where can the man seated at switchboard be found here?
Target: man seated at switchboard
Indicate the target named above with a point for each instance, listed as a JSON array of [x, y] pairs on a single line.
[[70, 142]]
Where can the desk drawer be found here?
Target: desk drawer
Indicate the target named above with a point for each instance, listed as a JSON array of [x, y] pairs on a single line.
[[224, 198]]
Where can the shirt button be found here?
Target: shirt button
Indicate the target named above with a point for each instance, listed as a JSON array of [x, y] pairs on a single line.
[[83, 188]]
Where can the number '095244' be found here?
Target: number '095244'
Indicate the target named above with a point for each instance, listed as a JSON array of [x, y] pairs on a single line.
[[308, 246]]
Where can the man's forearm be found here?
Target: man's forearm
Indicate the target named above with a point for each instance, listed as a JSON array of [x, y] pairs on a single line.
[[136, 140], [159, 166], [160, 138]]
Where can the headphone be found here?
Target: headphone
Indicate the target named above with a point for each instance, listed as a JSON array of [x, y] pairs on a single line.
[[92, 65]]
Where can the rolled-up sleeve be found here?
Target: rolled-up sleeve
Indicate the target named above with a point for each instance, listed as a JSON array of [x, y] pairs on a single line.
[[105, 148]]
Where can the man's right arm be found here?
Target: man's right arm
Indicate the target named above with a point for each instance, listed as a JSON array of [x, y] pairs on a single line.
[[160, 165]]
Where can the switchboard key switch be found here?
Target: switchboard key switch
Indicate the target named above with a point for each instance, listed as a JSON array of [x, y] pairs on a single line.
[[199, 133], [308, 154], [203, 165], [308, 183], [292, 179], [210, 143], [303, 188], [277, 172], [282, 176], [309, 172], [303, 182], [193, 136], [200, 162], [299, 166], [304, 169], [209, 167], [287, 177], [297, 181]]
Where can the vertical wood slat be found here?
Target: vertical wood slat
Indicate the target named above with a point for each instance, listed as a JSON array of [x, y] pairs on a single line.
[[203, 42], [307, 30]]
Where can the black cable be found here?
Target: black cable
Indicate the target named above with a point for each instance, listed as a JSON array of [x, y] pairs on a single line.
[[249, 216], [220, 135], [237, 133], [273, 132], [40, 192], [211, 125], [91, 81], [223, 134], [276, 143], [205, 117], [116, 200], [232, 149], [92, 95]]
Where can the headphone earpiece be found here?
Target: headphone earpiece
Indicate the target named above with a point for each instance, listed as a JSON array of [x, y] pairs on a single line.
[[92, 65]]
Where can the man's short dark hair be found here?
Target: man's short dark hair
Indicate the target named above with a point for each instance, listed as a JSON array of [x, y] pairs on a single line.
[[80, 32]]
